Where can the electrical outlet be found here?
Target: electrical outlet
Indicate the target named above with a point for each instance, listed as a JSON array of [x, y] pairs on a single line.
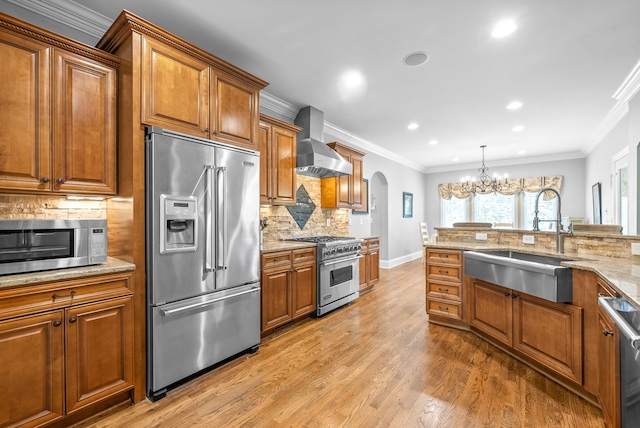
[[528, 239], [635, 249], [481, 236], [328, 222]]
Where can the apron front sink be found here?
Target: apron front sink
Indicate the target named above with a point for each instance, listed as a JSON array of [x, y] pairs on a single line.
[[537, 275]]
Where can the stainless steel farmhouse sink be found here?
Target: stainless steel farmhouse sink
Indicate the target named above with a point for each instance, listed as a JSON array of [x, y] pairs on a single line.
[[540, 276]]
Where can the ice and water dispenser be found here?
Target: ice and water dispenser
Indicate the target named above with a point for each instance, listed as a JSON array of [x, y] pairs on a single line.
[[179, 224]]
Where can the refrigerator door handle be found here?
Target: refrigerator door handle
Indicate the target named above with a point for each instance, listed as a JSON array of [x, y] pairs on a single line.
[[208, 257], [221, 217], [167, 312]]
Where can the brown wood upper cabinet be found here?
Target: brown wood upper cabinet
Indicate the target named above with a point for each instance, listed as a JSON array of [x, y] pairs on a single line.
[[277, 146], [59, 105], [344, 191], [185, 92]]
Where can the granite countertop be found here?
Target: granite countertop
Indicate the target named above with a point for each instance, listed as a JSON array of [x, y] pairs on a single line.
[[623, 275], [113, 265], [275, 246]]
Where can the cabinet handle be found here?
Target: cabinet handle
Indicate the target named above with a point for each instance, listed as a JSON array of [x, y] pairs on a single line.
[[57, 296], [57, 323], [446, 290], [73, 319], [607, 332], [446, 308], [59, 180], [443, 272], [44, 180], [507, 294]]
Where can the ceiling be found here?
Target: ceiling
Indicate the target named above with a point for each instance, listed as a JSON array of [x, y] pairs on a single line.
[[565, 62]]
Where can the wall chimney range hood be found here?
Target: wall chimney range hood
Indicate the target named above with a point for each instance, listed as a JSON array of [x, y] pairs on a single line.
[[314, 157]]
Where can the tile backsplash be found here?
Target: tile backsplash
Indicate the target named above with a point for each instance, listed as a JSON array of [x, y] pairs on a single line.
[[48, 208], [280, 223]]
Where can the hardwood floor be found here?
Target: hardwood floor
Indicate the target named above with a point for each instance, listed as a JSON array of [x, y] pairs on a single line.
[[375, 363]]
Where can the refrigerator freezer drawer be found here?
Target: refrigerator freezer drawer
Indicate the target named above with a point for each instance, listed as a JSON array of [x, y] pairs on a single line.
[[194, 334]]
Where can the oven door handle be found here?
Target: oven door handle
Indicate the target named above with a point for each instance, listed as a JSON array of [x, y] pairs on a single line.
[[346, 259]]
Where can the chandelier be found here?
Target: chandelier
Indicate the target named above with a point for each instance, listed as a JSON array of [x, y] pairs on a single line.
[[484, 183]]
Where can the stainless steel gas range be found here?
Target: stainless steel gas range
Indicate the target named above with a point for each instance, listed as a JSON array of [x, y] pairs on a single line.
[[338, 272]]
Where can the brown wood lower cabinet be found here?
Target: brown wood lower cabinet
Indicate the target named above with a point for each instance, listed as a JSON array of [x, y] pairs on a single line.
[[549, 333], [369, 266], [57, 362], [288, 287]]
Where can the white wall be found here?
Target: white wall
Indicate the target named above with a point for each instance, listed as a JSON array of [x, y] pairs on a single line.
[[599, 165], [572, 192]]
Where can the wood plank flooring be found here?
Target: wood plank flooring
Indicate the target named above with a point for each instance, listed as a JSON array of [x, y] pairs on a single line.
[[376, 363]]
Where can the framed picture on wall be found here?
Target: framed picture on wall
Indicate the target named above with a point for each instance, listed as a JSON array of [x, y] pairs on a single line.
[[365, 199], [407, 204], [597, 207]]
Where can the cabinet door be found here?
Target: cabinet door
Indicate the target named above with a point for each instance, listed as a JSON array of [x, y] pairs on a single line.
[[31, 369], [362, 268], [283, 148], [235, 113], [609, 369], [304, 289], [276, 297], [99, 351], [25, 109], [356, 181], [344, 182], [175, 90], [85, 125], [374, 267], [551, 333], [491, 311], [264, 143]]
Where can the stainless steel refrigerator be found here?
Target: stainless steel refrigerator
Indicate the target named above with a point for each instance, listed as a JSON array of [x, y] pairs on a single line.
[[203, 266]]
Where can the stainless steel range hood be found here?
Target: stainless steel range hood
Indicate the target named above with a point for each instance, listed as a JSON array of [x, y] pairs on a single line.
[[314, 157]]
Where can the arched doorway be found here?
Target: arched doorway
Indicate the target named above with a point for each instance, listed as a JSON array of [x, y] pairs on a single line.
[[379, 206]]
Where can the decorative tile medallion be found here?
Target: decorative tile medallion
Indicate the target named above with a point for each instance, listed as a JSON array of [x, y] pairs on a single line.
[[303, 208]]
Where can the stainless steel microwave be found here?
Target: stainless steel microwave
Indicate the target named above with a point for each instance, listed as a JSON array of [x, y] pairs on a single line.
[[34, 245]]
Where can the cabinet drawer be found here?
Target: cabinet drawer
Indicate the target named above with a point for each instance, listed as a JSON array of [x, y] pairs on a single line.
[[444, 308], [443, 290], [444, 272], [444, 256], [31, 299], [605, 290], [373, 244], [282, 258], [304, 255]]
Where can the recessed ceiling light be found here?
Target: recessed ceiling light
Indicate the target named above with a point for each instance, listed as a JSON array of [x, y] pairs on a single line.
[[413, 126], [518, 128], [433, 142], [522, 152], [455, 159], [503, 28], [416, 58], [352, 79], [514, 105]]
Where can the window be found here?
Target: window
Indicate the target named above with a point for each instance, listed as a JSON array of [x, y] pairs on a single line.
[[454, 210], [496, 209], [547, 211], [514, 211]]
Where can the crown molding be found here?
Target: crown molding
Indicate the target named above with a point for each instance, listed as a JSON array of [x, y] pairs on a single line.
[[69, 13], [277, 105], [627, 90], [347, 137], [509, 162]]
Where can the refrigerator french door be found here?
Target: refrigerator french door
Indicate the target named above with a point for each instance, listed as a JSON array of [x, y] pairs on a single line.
[[203, 288]]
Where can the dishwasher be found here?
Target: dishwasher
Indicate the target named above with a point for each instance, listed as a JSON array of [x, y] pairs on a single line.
[[627, 319]]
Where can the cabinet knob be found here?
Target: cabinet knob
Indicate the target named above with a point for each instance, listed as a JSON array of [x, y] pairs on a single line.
[[607, 332], [44, 180], [215, 132], [507, 294], [57, 323], [206, 130], [59, 180], [73, 319], [513, 296]]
